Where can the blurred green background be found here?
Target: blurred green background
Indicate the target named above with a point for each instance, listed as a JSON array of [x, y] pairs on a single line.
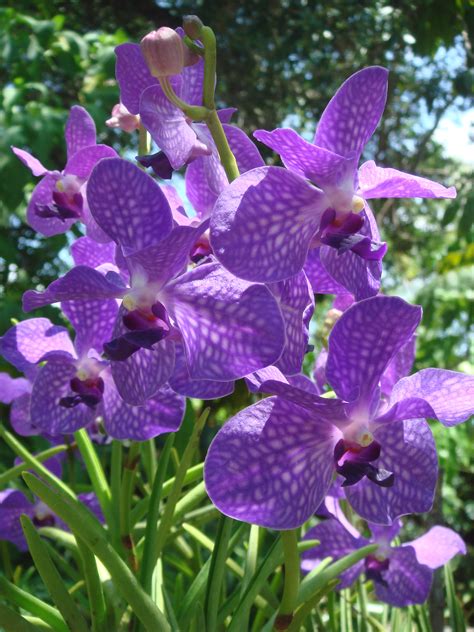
[[279, 63]]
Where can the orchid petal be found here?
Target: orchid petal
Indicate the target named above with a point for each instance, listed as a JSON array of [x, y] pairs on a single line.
[[33, 164], [276, 478], [93, 322], [407, 581], [263, 222], [12, 388], [80, 130], [364, 340], [128, 205], [409, 451], [13, 504], [321, 281], [132, 75], [83, 161], [87, 252], [353, 113], [80, 283], [43, 196], [444, 395], [377, 182], [438, 546], [398, 367], [229, 327], [31, 341]]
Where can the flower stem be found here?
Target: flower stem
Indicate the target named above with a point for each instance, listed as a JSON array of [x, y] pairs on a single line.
[[292, 579], [126, 493], [16, 470], [225, 153], [209, 42], [143, 141], [194, 112], [115, 486]]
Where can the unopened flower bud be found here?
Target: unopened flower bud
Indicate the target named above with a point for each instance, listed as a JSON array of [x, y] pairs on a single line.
[[163, 51], [121, 118], [192, 26]]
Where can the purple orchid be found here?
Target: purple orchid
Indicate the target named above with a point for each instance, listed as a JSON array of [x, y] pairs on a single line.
[[13, 504], [59, 200], [265, 222], [273, 463], [75, 388], [402, 575], [228, 327]]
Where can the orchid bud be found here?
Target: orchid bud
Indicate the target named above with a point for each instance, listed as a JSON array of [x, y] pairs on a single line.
[[192, 26], [121, 118], [163, 51]]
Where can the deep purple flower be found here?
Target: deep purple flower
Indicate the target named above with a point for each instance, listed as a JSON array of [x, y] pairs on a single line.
[[13, 504], [272, 463], [229, 327], [265, 222], [402, 575], [58, 200], [75, 388]]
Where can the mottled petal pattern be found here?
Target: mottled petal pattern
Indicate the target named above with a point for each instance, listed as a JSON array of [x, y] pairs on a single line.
[[321, 281], [80, 130], [408, 582], [319, 165], [181, 383], [167, 124], [363, 342], [52, 384], [93, 322], [409, 451], [449, 394], [132, 75], [13, 504], [80, 283], [33, 164], [20, 418], [262, 224], [377, 182], [128, 204], [87, 252], [229, 327], [33, 340], [398, 367], [438, 546], [82, 162], [43, 196], [274, 479], [336, 542], [296, 302], [353, 113], [162, 413]]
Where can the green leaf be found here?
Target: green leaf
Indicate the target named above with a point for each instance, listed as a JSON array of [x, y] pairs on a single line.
[[12, 622], [217, 573], [52, 579]]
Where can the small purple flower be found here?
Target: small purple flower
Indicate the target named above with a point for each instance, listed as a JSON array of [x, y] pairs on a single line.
[[402, 575], [13, 504], [58, 200], [228, 327], [265, 222], [273, 463]]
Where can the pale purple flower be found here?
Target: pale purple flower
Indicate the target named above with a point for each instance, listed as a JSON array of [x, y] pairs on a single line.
[[228, 327], [273, 463], [265, 222], [402, 575], [58, 200], [122, 119]]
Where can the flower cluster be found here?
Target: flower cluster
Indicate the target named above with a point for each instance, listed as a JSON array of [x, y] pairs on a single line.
[[169, 300]]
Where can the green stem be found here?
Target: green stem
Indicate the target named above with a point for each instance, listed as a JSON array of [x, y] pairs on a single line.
[[305, 610], [149, 554], [167, 518], [126, 494], [148, 449], [115, 487], [32, 604], [12, 622], [209, 43], [84, 524], [33, 463], [96, 474], [51, 578], [225, 153], [15, 471], [292, 579], [199, 50], [216, 573], [143, 141], [194, 112], [97, 607]]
